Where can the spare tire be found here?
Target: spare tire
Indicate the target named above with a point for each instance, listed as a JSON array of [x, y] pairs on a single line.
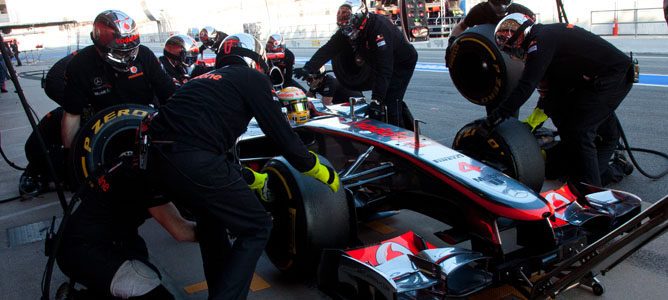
[[350, 74], [106, 136], [54, 82], [308, 217], [480, 71], [510, 148]]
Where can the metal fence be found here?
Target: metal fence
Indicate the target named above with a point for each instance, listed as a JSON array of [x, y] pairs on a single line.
[[438, 27], [635, 21], [441, 26], [314, 31]]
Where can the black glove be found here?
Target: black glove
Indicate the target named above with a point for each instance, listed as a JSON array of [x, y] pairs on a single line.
[[301, 73], [496, 117], [376, 110], [451, 40]]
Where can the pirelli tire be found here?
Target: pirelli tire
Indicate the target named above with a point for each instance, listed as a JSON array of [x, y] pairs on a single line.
[[308, 217], [352, 75], [105, 137], [481, 72], [511, 148]]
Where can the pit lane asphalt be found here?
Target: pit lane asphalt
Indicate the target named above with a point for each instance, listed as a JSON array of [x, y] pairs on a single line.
[[430, 96]]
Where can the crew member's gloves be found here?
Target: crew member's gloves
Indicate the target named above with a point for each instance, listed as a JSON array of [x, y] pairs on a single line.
[[376, 110], [325, 174], [536, 119], [258, 183], [301, 73], [496, 117], [451, 40]]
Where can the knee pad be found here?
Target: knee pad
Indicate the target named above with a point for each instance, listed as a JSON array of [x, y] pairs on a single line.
[[133, 278]]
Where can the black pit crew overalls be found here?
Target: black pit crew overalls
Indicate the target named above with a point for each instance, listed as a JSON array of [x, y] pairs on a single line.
[[392, 57], [330, 87], [587, 79], [286, 64], [188, 162], [102, 235], [91, 81]]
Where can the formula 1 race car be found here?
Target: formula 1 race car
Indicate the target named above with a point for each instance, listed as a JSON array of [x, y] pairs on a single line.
[[384, 168]]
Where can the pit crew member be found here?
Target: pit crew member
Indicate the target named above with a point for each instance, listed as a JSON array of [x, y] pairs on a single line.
[[490, 12], [276, 45], [376, 41], [180, 55], [329, 88], [191, 136], [211, 39], [101, 247], [116, 69], [588, 78]]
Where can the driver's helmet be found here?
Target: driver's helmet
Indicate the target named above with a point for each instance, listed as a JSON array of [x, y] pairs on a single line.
[[246, 47], [116, 36], [352, 17], [500, 6], [510, 33], [294, 100], [181, 49], [275, 43]]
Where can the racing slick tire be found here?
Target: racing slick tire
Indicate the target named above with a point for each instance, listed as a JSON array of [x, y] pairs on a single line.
[[480, 71], [510, 148], [308, 217], [108, 134], [354, 76]]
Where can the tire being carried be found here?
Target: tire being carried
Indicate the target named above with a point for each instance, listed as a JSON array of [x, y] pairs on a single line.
[[511, 148], [106, 136], [308, 217]]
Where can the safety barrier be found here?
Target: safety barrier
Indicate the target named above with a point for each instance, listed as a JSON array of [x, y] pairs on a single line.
[[634, 21]]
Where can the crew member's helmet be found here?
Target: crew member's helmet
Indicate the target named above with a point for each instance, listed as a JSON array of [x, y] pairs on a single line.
[[510, 33], [294, 100], [315, 80], [500, 6], [275, 43], [116, 37], [352, 17], [246, 47], [209, 36], [181, 49]]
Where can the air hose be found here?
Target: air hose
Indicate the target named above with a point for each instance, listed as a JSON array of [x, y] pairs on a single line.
[[633, 159], [9, 162]]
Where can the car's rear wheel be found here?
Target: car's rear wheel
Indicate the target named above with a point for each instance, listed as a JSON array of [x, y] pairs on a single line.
[[510, 148], [308, 217]]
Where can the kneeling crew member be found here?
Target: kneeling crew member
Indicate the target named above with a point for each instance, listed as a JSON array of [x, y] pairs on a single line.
[[588, 78], [188, 161], [101, 247]]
